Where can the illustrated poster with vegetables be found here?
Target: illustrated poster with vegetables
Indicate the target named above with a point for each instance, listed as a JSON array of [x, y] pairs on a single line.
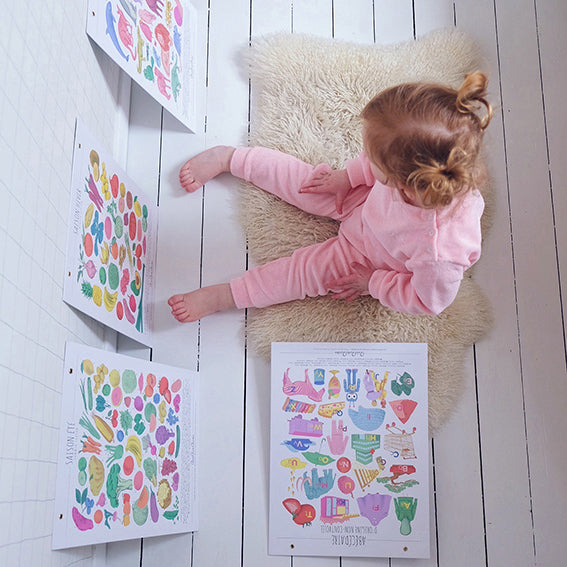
[[349, 450], [126, 466], [111, 243], [154, 42]]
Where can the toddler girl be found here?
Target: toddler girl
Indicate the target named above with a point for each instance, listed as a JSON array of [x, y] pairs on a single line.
[[408, 207]]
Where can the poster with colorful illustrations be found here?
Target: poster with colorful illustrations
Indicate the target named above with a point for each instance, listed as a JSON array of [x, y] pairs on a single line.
[[111, 243], [349, 450], [126, 466], [153, 41]]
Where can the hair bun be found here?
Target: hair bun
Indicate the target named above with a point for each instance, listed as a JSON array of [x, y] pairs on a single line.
[[471, 94]]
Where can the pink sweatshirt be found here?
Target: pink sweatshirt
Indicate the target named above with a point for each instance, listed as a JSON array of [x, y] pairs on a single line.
[[420, 255]]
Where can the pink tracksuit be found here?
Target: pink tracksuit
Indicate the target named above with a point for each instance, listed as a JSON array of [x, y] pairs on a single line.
[[418, 255]]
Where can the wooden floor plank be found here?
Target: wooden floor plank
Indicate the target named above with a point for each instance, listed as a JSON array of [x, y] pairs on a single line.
[[353, 20], [542, 354], [551, 18], [267, 17], [393, 21], [499, 383], [221, 356]]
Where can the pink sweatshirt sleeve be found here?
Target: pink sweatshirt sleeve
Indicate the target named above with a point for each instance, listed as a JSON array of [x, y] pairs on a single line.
[[429, 290], [359, 172]]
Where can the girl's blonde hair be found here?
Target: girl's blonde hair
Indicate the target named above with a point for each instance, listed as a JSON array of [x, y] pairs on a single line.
[[426, 137]]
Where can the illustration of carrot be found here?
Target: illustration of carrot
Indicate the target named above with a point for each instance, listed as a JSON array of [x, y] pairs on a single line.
[[91, 446]]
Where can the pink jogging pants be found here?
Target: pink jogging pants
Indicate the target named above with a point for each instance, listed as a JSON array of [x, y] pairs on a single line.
[[307, 270]]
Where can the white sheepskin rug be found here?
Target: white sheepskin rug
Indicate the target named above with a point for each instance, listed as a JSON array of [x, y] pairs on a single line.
[[307, 95]]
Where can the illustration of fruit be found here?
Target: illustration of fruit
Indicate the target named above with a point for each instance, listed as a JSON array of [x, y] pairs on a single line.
[[108, 227], [114, 185], [128, 466], [121, 204], [132, 301], [87, 367], [138, 480], [119, 311], [113, 276], [129, 200], [87, 289], [104, 253], [136, 284], [88, 244], [114, 377], [118, 226], [116, 397], [97, 295], [94, 159], [305, 515], [134, 446], [302, 514], [137, 207], [122, 190], [132, 226], [102, 275], [110, 300], [140, 232], [89, 215], [114, 249], [90, 268]]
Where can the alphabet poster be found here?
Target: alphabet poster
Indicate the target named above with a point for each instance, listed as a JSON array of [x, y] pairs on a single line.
[[126, 466], [349, 462], [111, 242], [154, 42]]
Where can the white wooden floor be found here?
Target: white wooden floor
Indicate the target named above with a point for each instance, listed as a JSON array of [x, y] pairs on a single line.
[[500, 466]]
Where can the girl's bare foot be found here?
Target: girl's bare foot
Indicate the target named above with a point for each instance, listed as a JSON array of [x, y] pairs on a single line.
[[204, 166], [195, 305]]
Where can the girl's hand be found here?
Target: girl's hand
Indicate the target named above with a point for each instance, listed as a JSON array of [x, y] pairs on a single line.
[[353, 285], [327, 180]]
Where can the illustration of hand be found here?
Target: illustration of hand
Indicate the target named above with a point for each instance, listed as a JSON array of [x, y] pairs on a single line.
[[317, 486], [337, 440], [327, 180]]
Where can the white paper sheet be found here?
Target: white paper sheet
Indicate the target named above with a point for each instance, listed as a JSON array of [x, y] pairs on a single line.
[[154, 42], [349, 461], [127, 449], [111, 242]]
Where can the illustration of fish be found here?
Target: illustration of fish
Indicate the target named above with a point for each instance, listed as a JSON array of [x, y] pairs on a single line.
[[298, 444], [129, 8], [110, 21]]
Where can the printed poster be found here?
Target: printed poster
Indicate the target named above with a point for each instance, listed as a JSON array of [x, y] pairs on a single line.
[[126, 466], [153, 41], [349, 461], [111, 243]]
